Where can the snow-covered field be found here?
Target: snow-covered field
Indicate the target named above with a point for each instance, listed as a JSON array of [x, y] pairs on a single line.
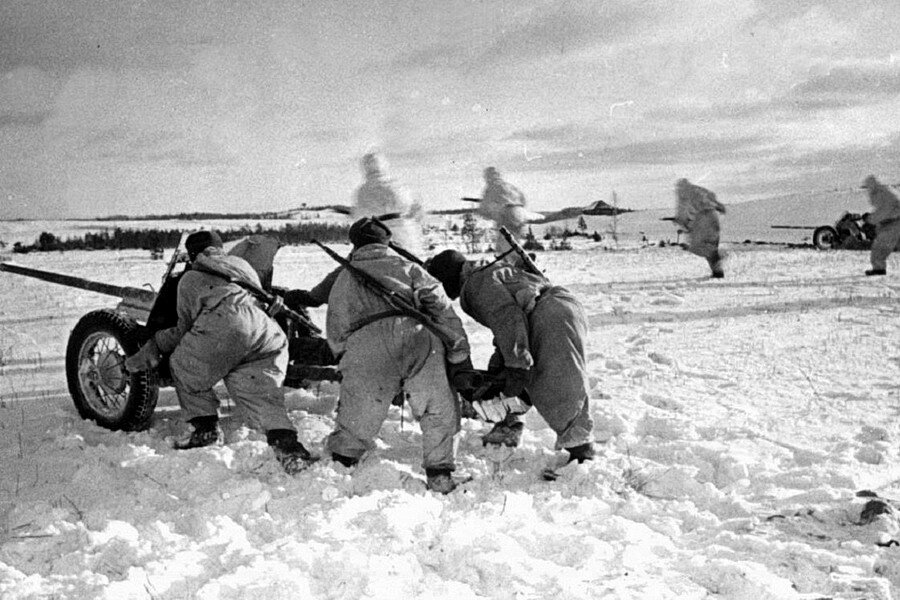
[[739, 419]]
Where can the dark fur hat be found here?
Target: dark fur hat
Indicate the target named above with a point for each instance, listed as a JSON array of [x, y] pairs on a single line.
[[199, 241], [446, 267], [369, 230]]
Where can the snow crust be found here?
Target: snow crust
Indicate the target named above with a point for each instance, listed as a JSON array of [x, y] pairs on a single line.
[[739, 419]]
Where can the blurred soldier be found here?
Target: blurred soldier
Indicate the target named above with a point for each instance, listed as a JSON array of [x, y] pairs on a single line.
[[696, 212], [223, 334], [539, 331], [885, 216], [381, 195], [504, 204], [384, 352]]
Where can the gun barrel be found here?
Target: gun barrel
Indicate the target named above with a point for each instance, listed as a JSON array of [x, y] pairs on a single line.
[[136, 296]]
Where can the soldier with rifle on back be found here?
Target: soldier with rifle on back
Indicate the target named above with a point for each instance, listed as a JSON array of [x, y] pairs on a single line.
[[395, 332], [224, 330], [539, 332]]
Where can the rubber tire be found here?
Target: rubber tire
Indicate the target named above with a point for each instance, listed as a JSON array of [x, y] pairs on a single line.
[[825, 238], [142, 388]]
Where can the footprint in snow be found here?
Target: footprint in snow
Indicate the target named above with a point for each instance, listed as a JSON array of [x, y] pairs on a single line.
[[660, 359], [662, 402]]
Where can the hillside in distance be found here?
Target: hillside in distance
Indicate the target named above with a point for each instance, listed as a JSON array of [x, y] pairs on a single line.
[[743, 221]]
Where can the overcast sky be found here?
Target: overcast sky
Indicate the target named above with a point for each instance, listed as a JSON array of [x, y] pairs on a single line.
[[153, 106]]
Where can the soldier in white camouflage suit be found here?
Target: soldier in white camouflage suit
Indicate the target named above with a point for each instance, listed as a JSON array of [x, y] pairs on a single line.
[[384, 352], [539, 339], [504, 204], [885, 216], [697, 212], [381, 195], [224, 334]]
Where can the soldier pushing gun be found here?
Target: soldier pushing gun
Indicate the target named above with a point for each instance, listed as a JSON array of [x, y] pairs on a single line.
[[224, 333], [393, 329], [539, 331]]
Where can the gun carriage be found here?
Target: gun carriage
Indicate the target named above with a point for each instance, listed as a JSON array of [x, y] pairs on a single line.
[[103, 390], [850, 232]]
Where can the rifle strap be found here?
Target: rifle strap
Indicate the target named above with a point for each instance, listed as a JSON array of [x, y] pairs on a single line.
[[369, 319], [252, 290], [496, 259]]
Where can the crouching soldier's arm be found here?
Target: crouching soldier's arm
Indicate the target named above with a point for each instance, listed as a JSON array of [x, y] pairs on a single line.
[[493, 306], [317, 296], [431, 299], [164, 341]]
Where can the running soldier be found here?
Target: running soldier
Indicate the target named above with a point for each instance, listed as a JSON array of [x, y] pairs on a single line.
[[886, 219], [697, 212]]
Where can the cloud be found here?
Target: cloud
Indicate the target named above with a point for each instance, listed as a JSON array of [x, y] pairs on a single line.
[[863, 83], [519, 35], [840, 88], [878, 157], [435, 56], [657, 152], [560, 134], [779, 10], [30, 119], [124, 145], [26, 95], [563, 27]]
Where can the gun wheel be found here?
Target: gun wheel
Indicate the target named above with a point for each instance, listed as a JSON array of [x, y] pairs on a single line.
[[825, 238], [101, 388]]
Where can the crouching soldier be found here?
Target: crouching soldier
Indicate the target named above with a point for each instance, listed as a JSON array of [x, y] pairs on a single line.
[[539, 332], [385, 352], [224, 334], [697, 212]]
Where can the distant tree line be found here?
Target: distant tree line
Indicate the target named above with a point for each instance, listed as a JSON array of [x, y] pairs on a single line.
[[152, 239], [209, 216]]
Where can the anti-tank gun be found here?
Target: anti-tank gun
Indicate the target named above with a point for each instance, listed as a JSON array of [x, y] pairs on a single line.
[[101, 387], [852, 231]]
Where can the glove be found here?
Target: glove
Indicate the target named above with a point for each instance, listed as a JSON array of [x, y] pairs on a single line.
[[144, 359], [515, 380], [495, 363], [462, 375], [496, 410], [298, 299]]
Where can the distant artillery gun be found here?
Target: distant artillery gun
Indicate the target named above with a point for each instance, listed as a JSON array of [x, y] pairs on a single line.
[[850, 232], [101, 387]]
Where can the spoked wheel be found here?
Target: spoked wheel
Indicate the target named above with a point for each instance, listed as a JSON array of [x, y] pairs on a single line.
[[825, 237], [102, 389]]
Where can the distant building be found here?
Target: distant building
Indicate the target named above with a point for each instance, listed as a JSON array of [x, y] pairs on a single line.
[[601, 208], [595, 209]]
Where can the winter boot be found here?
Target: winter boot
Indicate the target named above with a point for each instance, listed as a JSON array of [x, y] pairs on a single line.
[[507, 432], [206, 433], [466, 411], [578, 453], [440, 480], [292, 455], [581, 453], [344, 460], [871, 272], [715, 264]]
